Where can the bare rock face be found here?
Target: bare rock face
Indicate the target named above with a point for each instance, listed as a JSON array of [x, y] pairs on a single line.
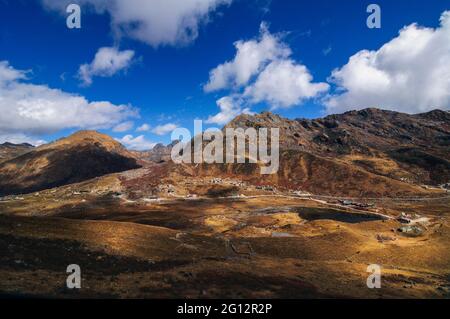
[[82, 156], [160, 153]]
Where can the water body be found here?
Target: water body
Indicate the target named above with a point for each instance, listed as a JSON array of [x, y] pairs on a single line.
[[311, 214], [314, 213]]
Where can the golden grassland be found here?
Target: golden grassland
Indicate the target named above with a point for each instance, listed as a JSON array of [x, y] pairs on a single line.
[[255, 247]]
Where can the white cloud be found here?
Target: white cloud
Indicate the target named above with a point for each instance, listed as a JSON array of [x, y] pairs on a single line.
[[261, 72], [230, 107], [410, 73], [251, 57], [8, 74], [283, 84], [107, 62], [164, 129], [143, 128], [138, 143], [123, 127], [31, 109], [155, 22]]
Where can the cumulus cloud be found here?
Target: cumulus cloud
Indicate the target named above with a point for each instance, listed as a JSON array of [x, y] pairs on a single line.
[[138, 143], [262, 71], [230, 107], [164, 129], [143, 128], [123, 127], [32, 109], [284, 83], [155, 22], [410, 73], [107, 62], [251, 57]]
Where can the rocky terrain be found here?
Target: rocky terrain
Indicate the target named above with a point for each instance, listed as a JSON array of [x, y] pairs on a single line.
[[368, 153], [160, 153], [412, 148]]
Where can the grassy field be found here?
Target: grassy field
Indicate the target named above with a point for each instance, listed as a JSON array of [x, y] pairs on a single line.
[[219, 248]]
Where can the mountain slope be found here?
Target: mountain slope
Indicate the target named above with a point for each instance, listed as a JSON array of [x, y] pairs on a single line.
[[404, 147], [360, 153], [10, 150], [82, 156]]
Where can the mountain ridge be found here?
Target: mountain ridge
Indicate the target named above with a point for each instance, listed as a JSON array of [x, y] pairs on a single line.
[[81, 156], [369, 152]]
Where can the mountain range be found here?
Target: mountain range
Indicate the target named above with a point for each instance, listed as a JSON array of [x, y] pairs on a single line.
[[370, 152]]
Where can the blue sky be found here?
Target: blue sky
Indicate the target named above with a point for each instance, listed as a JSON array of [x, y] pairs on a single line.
[[164, 82]]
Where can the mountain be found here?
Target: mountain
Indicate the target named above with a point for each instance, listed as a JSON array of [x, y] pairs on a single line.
[[386, 143], [364, 131], [363, 153], [370, 152], [10, 150], [159, 154], [81, 156]]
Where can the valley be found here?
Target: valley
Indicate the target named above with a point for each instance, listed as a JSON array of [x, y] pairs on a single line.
[[266, 246], [144, 228]]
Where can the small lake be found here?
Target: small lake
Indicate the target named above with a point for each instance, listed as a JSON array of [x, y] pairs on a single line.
[[311, 214]]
